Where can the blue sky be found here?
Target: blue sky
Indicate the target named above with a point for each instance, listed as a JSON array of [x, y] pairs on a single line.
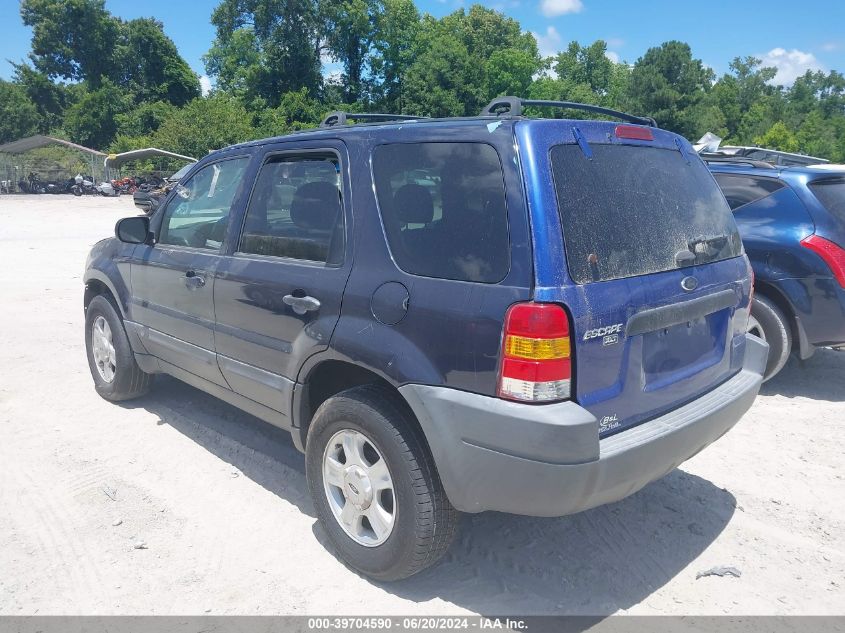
[[791, 37]]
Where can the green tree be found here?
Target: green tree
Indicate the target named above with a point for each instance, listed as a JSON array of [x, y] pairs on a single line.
[[396, 32], [72, 39], [586, 65], [18, 115], [510, 72], [817, 136], [451, 74], [443, 80], [93, 119], [143, 119], [205, 124], [266, 47], [667, 83], [296, 111], [779, 137], [50, 98], [151, 67], [350, 28]]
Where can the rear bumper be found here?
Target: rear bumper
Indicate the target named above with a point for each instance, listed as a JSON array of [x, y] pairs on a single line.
[[547, 460]]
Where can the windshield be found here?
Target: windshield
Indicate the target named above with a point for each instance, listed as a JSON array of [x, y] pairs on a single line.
[[634, 210], [831, 193]]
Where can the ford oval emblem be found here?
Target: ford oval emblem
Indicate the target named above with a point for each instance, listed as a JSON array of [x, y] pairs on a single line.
[[689, 283]]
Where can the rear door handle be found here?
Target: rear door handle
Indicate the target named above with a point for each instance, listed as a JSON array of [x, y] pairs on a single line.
[[193, 279], [301, 305]]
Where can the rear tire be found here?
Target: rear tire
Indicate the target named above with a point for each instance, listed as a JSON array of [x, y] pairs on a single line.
[[769, 323], [420, 522], [111, 361]]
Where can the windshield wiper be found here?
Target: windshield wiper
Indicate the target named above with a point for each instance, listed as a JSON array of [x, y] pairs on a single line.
[[707, 246], [700, 249]]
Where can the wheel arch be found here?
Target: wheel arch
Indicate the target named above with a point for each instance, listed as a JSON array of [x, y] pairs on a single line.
[[800, 342], [330, 377], [100, 285]]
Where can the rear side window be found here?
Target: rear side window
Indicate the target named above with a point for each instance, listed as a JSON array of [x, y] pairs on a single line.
[[634, 210], [295, 210], [831, 193], [742, 190], [443, 208]]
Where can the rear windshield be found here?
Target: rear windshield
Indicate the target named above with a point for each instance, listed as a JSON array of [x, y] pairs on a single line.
[[634, 210], [831, 193]]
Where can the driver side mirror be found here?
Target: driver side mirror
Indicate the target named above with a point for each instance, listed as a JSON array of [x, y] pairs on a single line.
[[134, 230]]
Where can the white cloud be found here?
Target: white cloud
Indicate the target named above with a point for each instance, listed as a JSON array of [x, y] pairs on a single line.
[[615, 42], [789, 64], [614, 57], [829, 47], [548, 43], [552, 8], [205, 85]]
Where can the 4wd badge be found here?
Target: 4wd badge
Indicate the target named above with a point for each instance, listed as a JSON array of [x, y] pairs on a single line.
[[610, 340]]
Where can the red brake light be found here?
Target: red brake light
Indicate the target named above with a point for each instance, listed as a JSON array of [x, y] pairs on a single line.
[[636, 132], [536, 354], [832, 254]]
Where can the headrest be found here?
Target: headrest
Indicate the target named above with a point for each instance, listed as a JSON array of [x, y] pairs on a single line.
[[413, 204], [315, 205]]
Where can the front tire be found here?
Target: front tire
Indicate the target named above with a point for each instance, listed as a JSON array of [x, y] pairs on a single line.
[[111, 361], [769, 323], [375, 487]]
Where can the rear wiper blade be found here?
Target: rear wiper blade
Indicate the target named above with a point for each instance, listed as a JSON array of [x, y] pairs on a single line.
[[707, 246]]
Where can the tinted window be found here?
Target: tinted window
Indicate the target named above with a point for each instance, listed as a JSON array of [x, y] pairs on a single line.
[[443, 207], [831, 193], [742, 190], [635, 210], [295, 210], [198, 213]]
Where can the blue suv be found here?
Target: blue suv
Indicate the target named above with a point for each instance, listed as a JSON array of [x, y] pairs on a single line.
[[792, 222], [454, 315]]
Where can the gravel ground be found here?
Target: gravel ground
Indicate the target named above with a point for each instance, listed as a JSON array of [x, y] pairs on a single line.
[[220, 499]]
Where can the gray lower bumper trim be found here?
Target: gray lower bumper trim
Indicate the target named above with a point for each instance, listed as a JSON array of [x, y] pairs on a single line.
[[547, 460]]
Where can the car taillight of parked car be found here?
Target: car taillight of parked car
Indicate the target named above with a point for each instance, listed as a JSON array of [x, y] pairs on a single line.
[[536, 354], [832, 254]]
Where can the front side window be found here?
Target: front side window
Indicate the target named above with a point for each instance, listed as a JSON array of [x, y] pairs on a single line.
[[198, 213], [741, 190], [295, 210], [443, 208]]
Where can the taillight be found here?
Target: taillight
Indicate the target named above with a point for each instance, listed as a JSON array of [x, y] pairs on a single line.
[[536, 354], [832, 254], [635, 132]]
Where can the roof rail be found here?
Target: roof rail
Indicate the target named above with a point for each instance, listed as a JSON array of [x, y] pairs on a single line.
[[338, 117], [736, 160], [513, 106]]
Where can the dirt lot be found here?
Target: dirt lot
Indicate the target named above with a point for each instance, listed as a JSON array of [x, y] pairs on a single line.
[[221, 502]]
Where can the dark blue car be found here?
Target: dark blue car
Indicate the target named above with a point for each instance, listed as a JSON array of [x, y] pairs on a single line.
[[792, 222], [454, 315]]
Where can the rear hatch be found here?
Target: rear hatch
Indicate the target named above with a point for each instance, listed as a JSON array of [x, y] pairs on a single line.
[[650, 269]]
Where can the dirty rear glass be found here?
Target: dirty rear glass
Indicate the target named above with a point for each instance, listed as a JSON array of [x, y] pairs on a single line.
[[635, 210]]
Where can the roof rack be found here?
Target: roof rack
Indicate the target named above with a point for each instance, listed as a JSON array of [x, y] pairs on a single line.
[[339, 117], [736, 160], [513, 106]]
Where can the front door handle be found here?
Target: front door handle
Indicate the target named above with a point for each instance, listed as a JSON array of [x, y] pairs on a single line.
[[301, 305], [194, 280]]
